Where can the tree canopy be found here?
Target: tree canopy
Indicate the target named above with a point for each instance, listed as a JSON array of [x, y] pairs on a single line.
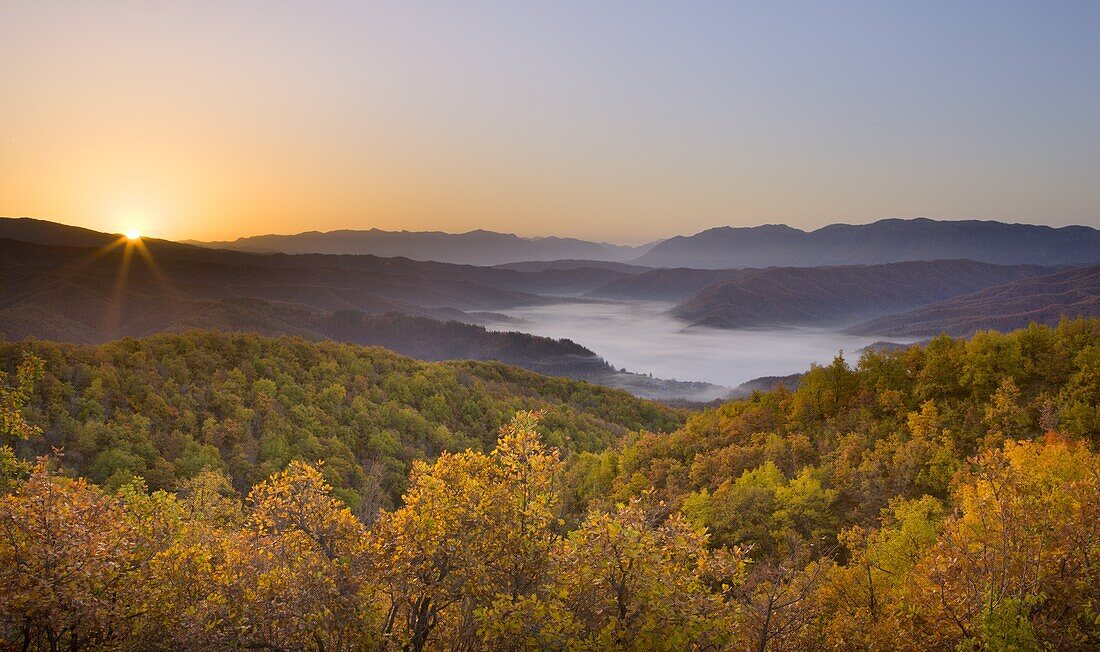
[[941, 497]]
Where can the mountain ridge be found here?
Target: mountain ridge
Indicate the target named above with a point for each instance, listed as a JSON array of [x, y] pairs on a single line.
[[478, 247], [1043, 299], [883, 241], [819, 296], [79, 294]]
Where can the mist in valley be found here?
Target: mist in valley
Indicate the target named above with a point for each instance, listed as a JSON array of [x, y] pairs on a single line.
[[643, 338]]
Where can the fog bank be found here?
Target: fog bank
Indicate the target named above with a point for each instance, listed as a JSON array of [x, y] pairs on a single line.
[[642, 338]]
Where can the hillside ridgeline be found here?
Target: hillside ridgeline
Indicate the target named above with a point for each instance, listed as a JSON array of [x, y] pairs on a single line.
[[935, 497], [1044, 299], [473, 248], [884, 241], [164, 407], [830, 296]]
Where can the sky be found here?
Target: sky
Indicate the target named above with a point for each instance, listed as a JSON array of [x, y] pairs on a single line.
[[617, 121]]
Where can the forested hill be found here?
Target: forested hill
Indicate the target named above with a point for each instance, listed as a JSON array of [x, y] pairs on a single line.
[[944, 497], [840, 295], [1044, 299], [93, 295], [478, 247], [165, 407], [62, 248], [884, 241], [434, 340], [674, 284], [75, 285], [936, 497]]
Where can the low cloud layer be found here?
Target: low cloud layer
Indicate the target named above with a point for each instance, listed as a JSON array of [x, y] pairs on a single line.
[[642, 338]]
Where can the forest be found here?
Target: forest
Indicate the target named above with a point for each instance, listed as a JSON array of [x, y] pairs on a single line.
[[165, 407], [215, 491]]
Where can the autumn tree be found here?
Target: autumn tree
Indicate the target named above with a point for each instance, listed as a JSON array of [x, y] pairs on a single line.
[[1019, 561], [776, 597], [174, 561], [14, 397], [764, 509], [66, 550], [13, 425], [474, 529], [294, 578], [866, 603], [636, 578]]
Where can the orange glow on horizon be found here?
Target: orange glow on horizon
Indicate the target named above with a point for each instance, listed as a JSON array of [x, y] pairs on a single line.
[[213, 121]]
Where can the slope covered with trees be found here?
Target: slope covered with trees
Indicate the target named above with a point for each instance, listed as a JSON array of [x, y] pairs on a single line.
[[938, 497], [839, 295], [70, 253], [933, 496], [674, 284], [165, 407], [75, 285], [1043, 299]]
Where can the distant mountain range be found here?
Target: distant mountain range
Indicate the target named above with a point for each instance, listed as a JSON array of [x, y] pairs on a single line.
[[1044, 299], [472, 248], [673, 284], [885, 241], [78, 285], [331, 282], [570, 263], [829, 296], [722, 248], [71, 284], [101, 290]]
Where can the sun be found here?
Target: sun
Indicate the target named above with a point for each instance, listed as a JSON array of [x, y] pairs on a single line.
[[133, 235]]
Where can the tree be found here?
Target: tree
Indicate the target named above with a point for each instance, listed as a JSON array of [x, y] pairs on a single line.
[[864, 604], [763, 509], [66, 550], [210, 498], [1019, 560], [13, 398], [175, 575], [294, 578], [777, 598], [474, 528], [636, 578], [1004, 416]]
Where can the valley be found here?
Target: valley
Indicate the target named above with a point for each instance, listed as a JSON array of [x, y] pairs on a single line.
[[643, 336], [549, 326], [678, 334]]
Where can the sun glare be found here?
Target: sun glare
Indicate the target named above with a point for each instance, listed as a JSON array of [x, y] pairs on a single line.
[[133, 234]]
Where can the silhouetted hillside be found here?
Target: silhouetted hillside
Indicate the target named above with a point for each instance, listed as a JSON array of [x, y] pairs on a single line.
[[673, 284], [93, 295], [837, 295], [885, 241], [566, 280], [765, 384], [1044, 300], [542, 265], [475, 247], [28, 229], [434, 340]]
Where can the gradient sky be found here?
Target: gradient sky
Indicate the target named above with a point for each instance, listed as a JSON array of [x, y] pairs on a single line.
[[618, 121]]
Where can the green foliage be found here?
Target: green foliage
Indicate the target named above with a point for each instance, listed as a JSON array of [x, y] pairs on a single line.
[[14, 397], [941, 497], [1006, 627], [169, 407], [835, 452]]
